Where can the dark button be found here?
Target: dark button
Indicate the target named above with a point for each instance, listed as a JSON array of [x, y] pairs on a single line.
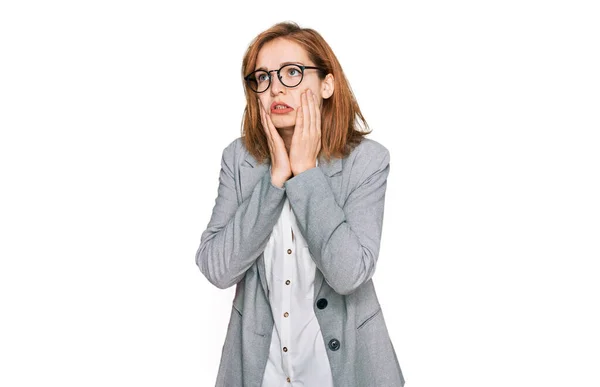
[[286, 314], [322, 303], [287, 282], [289, 380], [334, 344], [285, 348], [289, 251]]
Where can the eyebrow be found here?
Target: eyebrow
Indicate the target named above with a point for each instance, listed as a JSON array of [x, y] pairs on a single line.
[[280, 65]]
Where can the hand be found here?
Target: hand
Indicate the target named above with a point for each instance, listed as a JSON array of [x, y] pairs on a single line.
[[280, 163], [306, 141]]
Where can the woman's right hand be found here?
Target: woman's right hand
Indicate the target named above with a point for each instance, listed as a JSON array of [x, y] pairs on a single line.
[[281, 169]]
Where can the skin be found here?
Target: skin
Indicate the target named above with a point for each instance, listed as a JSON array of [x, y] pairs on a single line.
[[294, 138]]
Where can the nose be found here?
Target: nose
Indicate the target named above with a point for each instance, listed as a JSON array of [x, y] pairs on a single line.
[[276, 85]]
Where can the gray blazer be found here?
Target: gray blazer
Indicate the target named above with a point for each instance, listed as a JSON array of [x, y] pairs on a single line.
[[339, 209]]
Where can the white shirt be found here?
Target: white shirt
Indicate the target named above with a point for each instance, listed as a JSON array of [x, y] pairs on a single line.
[[297, 355]]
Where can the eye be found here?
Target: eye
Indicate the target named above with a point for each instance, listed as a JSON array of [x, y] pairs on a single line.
[[262, 77], [294, 71]]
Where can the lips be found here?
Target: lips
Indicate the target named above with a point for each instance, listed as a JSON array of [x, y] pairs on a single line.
[[278, 107]]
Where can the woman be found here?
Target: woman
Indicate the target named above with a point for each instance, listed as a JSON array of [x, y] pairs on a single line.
[[297, 225]]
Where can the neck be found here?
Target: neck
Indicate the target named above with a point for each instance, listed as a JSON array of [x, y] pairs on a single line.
[[286, 135]]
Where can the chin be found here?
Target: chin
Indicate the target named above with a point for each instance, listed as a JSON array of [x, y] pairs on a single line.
[[283, 122]]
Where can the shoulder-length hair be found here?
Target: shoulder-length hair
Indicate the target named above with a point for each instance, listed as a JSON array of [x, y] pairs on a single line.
[[340, 114]]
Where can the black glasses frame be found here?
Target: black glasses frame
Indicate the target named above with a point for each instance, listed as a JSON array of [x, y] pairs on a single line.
[[248, 78]]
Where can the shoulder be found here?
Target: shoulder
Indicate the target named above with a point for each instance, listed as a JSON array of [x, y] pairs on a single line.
[[367, 161], [235, 146], [234, 151], [367, 157], [370, 148]]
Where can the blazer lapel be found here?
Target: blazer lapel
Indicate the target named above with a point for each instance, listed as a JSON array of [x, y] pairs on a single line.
[[251, 172], [332, 169]]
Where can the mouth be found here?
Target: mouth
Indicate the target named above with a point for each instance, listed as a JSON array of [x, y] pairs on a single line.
[[280, 108]]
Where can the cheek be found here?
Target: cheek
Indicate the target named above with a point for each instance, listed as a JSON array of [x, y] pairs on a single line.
[[298, 98], [264, 103]]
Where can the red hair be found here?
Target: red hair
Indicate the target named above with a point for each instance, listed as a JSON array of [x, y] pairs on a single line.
[[340, 114]]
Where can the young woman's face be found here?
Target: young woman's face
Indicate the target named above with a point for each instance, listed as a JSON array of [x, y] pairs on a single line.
[[272, 56]]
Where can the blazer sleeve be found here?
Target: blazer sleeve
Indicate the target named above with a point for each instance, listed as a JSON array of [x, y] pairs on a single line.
[[236, 235], [343, 240]]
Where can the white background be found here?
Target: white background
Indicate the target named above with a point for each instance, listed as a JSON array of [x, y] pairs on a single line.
[[113, 117]]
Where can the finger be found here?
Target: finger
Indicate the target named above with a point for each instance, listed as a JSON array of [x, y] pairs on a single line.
[[275, 137], [311, 109], [305, 113], [266, 128], [317, 115], [262, 119], [299, 119]]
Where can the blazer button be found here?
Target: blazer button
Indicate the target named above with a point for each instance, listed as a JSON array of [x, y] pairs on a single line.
[[322, 303], [334, 344]]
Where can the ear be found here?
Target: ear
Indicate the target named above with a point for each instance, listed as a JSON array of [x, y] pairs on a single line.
[[327, 86]]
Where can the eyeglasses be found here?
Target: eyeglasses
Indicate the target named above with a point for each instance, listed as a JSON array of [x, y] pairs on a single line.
[[289, 75]]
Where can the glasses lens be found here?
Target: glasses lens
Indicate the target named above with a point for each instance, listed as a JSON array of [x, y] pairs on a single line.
[[258, 81], [291, 75]]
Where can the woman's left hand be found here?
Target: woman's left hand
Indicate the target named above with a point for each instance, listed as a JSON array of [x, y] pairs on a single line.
[[306, 140]]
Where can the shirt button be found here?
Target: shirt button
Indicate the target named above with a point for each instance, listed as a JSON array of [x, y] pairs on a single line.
[[288, 380], [284, 349], [334, 344], [322, 303], [287, 282], [286, 314], [289, 251]]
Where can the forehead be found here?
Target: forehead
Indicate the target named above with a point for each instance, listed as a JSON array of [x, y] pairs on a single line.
[[279, 51]]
